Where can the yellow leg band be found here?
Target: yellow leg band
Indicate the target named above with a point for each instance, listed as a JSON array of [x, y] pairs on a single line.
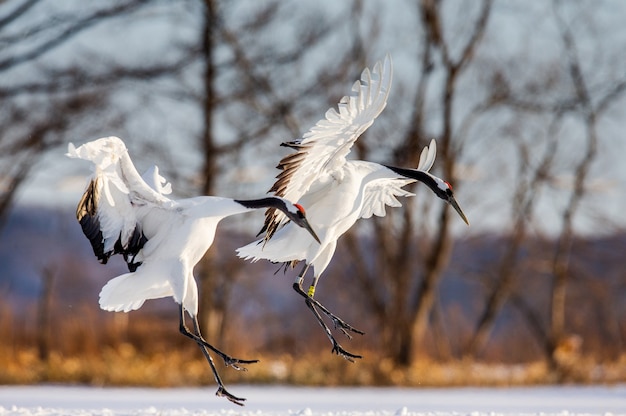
[[311, 291]]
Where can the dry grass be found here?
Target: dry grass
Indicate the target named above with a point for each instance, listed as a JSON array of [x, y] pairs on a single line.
[[144, 349], [125, 366]]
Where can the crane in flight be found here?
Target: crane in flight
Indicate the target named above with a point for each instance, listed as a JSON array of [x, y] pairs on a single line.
[[337, 191], [161, 239]]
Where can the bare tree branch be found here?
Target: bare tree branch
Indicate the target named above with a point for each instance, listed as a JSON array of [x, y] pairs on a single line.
[[561, 256], [74, 29], [19, 11]]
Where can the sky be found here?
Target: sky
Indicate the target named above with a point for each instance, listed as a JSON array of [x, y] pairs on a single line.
[[518, 29]]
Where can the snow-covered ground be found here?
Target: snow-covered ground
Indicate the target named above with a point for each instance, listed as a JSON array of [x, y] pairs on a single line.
[[271, 400]]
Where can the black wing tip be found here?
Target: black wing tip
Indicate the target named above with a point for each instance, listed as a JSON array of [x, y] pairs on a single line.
[[294, 144], [91, 228], [87, 216], [289, 144], [135, 243]]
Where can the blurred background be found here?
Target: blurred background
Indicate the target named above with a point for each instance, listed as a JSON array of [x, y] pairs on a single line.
[[527, 102]]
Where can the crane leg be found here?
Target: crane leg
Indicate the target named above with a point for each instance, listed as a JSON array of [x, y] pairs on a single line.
[[228, 360], [313, 305], [337, 348], [221, 389], [339, 323], [197, 337]]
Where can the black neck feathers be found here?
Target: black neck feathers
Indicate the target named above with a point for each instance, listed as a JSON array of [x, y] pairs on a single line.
[[269, 202], [419, 175]]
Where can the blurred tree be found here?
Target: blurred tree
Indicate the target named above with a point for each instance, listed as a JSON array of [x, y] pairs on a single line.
[[401, 286], [252, 70], [247, 75], [48, 90], [58, 75], [571, 99], [587, 111], [528, 184]]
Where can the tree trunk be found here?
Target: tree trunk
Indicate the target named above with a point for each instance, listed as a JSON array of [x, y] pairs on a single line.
[[560, 267], [435, 264], [210, 313]]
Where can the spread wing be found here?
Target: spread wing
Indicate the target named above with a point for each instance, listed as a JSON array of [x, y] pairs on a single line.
[[427, 157], [323, 149], [384, 192], [154, 180], [108, 210]]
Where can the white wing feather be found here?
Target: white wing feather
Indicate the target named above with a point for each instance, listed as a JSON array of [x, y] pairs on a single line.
[[384, 192], [154, 180], [427, 157], [330, 140], [323, 149], [124, 191]]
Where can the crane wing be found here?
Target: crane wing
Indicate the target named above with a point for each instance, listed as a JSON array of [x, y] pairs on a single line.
[[154, 180], [323, 149], [427, 157], [384, 192], [108, 210]]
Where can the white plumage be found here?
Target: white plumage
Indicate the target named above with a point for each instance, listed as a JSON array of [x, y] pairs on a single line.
[[336, 191], [161, 239]]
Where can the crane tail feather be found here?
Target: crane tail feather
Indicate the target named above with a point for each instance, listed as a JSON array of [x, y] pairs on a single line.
[[129, 291]]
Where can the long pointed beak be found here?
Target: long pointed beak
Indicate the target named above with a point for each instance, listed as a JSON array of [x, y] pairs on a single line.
[[458, 209], [307, 227]]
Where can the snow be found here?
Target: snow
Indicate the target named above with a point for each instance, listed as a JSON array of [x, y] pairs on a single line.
[[299, 401]]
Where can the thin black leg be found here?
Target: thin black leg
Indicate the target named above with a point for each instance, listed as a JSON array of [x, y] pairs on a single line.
[[313, 304], [197, 337], [338, 322], [228, 360], [337, 349], [221, 389]]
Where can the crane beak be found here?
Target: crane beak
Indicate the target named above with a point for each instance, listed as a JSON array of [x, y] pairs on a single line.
[[458, 209], [307, 226]]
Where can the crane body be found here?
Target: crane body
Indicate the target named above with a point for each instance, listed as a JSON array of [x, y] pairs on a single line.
[[338, 191], [161, 239]]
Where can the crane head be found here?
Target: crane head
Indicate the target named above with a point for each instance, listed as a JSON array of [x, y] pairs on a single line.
[[297, 214], [440, 187], [444, 191], [294, 212]]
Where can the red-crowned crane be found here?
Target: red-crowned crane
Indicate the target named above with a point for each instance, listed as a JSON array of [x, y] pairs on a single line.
[[161, 239], [336, 191]]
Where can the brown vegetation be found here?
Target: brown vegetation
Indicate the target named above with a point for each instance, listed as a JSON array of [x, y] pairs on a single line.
[[136, 364]]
